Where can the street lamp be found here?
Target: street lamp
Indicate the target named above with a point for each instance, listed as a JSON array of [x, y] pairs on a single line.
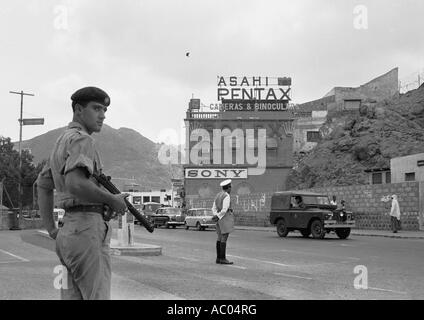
[[23, 122]]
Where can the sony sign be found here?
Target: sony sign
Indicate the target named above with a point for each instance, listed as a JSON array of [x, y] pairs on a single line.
[[194, 173]]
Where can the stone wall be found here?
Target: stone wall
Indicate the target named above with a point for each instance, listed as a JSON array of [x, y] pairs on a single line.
[[371, 212], [4, 221], [251, 210], [7, 221], [364, 200]]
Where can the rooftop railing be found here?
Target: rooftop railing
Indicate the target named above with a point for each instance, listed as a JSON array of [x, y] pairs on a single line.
[[204, 115]]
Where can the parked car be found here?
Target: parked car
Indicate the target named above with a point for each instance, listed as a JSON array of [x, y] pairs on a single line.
[[315, 215], [199, 218], [168, 216], [148, 209]]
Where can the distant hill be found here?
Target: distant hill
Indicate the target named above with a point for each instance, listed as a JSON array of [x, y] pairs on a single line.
[[125, 153], [367, 140]]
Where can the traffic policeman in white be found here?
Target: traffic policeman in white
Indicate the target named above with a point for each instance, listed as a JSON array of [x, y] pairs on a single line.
[[224, 218]]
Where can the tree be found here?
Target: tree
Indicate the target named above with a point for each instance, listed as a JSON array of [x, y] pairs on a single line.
[[9, 171]]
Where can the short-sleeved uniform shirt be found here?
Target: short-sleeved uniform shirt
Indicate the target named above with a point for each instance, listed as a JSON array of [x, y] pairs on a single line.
[[75, 148]]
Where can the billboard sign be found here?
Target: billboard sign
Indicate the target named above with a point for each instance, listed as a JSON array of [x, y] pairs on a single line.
[[254, 88], [213, 173]]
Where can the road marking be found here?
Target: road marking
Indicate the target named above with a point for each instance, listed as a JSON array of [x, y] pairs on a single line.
[[264, 261], [354, 258], [238, 267], [189, 259], [15, 256], [346, 245], [387, 290], [292, 276], [10, 261], [317, 254]]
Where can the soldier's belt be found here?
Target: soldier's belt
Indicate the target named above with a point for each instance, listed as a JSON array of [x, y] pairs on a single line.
[[86, 208]]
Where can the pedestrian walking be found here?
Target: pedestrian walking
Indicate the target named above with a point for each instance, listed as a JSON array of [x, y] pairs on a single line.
[[395, 214], [82, 244], [334, 201], [224, 218]]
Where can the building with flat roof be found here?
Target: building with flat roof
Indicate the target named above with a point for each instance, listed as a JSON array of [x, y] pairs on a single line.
[[311, 116], [407, 168], [248, 141]]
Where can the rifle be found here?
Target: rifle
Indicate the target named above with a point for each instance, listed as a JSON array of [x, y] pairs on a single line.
[[105, 182]]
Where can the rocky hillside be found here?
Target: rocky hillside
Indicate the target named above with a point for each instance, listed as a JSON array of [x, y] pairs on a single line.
[[124, 152], [368, 139]]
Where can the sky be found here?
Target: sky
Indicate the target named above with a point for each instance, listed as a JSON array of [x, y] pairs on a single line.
[[136, 51]]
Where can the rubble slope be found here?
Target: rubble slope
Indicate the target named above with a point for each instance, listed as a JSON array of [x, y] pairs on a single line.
[[368, 139]]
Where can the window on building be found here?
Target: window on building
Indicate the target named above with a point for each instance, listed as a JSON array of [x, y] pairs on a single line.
[[377, 178], [136, 200], [271, 143], [313, 136], [388, 177], [410, 176], [352, 104], [146, 199], [156, 199]]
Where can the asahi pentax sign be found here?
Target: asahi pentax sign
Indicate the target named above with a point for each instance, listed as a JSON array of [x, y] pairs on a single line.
[[214, 173], [259, 89]]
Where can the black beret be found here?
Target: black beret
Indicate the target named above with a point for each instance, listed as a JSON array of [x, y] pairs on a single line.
[[88, 94]]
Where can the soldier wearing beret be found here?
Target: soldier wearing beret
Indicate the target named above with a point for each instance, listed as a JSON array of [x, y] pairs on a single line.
[[82, 244], [224, 218]]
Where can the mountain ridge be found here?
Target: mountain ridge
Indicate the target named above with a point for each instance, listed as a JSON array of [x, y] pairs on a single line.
[[124, 153]]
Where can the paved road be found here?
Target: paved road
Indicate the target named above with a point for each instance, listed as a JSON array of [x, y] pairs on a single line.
[[266, 267]]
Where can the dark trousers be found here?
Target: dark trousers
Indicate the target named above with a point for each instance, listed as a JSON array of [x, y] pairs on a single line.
[[394, 222]]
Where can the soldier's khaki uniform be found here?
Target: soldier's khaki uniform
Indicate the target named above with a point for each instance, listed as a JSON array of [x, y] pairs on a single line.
[[82, 244]]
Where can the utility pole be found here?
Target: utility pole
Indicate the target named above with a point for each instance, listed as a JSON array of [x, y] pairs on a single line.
[[22, 94], [1, 197]]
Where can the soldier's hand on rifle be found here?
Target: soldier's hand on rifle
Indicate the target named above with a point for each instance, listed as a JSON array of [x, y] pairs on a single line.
[[109, 214], [118, 204]]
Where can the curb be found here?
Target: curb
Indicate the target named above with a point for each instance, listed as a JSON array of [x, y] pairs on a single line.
[[387, 236], [254, 229], [353, 233], [138, 249], [44, 234]]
